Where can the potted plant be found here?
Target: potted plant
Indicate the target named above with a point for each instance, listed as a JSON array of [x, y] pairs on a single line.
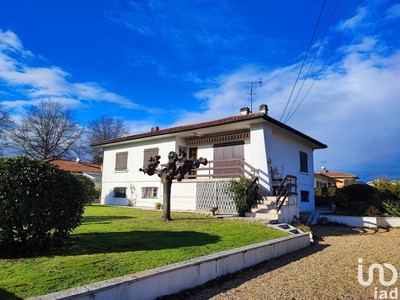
[[158, 205]]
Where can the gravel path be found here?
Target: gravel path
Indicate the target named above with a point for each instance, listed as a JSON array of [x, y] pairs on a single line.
[[326, 270]]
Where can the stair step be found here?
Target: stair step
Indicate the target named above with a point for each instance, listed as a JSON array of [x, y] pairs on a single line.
[[268, 216]]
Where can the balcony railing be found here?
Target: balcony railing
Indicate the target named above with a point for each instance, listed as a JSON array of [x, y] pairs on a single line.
[[228, 168]]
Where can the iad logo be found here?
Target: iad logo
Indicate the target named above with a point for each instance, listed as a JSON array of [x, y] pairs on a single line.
[[383, 294]]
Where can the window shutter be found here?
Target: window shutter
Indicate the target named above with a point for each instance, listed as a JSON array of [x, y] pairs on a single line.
[[121, 161], [147, 153], [303, 162]]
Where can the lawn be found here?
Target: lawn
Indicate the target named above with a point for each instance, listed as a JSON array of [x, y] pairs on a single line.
[[116, 241]]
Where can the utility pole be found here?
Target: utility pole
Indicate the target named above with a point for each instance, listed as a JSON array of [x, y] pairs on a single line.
[[251, 90]]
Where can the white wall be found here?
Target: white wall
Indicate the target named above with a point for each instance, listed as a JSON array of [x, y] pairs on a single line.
[[284, 150], [257, 155], [264, 145], [132, 175]]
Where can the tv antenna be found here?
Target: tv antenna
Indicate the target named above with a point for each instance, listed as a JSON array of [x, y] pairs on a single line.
[[251, 90], [322, 166]]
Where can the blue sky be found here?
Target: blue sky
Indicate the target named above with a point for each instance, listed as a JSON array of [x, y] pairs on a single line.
[[166, 63]]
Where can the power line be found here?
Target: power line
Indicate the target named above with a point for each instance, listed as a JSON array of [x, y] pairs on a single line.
[[304, 60], [380, 172], [326, 62], [312, 62]]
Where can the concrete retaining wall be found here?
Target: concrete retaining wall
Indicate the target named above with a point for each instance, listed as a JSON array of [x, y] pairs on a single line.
[[174, 278], [354, 221]]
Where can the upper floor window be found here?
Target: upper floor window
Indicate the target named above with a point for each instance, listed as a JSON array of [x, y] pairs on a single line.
[[147, 153], [303, 162], [121, 161]]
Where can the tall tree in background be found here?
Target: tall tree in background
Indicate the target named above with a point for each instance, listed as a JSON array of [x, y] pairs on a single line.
[[6, 124], [101, 129], [47, 130]]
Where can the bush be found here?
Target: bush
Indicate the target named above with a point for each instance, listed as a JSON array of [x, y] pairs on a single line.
[[392, 208], [90, 192], [361, 197], [40, 205], [238, 189], [324, 197]]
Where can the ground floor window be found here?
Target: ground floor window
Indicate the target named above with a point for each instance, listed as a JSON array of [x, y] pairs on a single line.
[[149, 192], [305, 196], [120, 192]]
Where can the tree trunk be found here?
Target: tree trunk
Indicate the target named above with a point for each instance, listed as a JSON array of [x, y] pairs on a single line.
[[167, 184]]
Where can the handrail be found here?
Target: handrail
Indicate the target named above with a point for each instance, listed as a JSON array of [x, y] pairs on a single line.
[[251, 192], [285, 190]]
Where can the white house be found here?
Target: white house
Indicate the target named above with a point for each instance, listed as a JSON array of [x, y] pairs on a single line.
[[243, 145]]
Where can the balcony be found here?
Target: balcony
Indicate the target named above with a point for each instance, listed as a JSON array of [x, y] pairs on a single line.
[[228, 168]]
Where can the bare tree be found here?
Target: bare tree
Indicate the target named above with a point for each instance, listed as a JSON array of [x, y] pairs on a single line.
[[169, 173], [6, 124], [47, 130], [101, 129]]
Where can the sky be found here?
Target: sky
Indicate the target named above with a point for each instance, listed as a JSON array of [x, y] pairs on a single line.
[[330, 69]]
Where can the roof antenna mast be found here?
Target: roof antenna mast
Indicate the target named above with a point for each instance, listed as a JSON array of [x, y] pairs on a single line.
[[251, 90]]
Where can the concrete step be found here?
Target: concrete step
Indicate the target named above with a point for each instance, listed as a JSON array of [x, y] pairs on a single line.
[[266, 216]]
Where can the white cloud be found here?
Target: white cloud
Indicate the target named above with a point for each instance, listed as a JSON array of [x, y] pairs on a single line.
[[9, 41], [36, 83], [394, 11], [353, 108]]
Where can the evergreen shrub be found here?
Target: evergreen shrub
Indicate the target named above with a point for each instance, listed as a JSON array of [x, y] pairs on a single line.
[[40, 205]]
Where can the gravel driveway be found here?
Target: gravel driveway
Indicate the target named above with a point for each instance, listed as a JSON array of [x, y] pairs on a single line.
[[326, 270]]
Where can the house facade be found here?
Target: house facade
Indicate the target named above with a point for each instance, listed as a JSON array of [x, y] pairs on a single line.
[[249, 144], [323, 181], [339, 176]]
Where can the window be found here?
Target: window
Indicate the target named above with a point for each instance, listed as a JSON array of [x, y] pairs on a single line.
[[147, 153], [121, 161], [149, 192], [321, 184], [303, 162], [182, 151], [120, 192], [305, 196]]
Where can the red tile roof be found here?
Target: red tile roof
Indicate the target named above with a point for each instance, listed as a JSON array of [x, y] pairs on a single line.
[[73, 166], [229, 120], [338, 174]]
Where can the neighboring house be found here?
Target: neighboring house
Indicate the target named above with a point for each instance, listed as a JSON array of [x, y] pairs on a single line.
[[242, 145], [323, 181], [340, 177], [93, 171]]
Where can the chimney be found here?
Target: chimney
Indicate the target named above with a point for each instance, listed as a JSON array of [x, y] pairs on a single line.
[[244, 111], [155, 128], [264, 108]]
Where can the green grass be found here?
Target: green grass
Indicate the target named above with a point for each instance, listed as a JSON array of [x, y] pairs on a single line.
[[115, 241]]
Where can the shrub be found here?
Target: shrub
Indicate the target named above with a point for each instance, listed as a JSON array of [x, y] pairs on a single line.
[[90, 192], [40, 205], [324, 197], [393, 208], [361, 197], [238, 189]]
